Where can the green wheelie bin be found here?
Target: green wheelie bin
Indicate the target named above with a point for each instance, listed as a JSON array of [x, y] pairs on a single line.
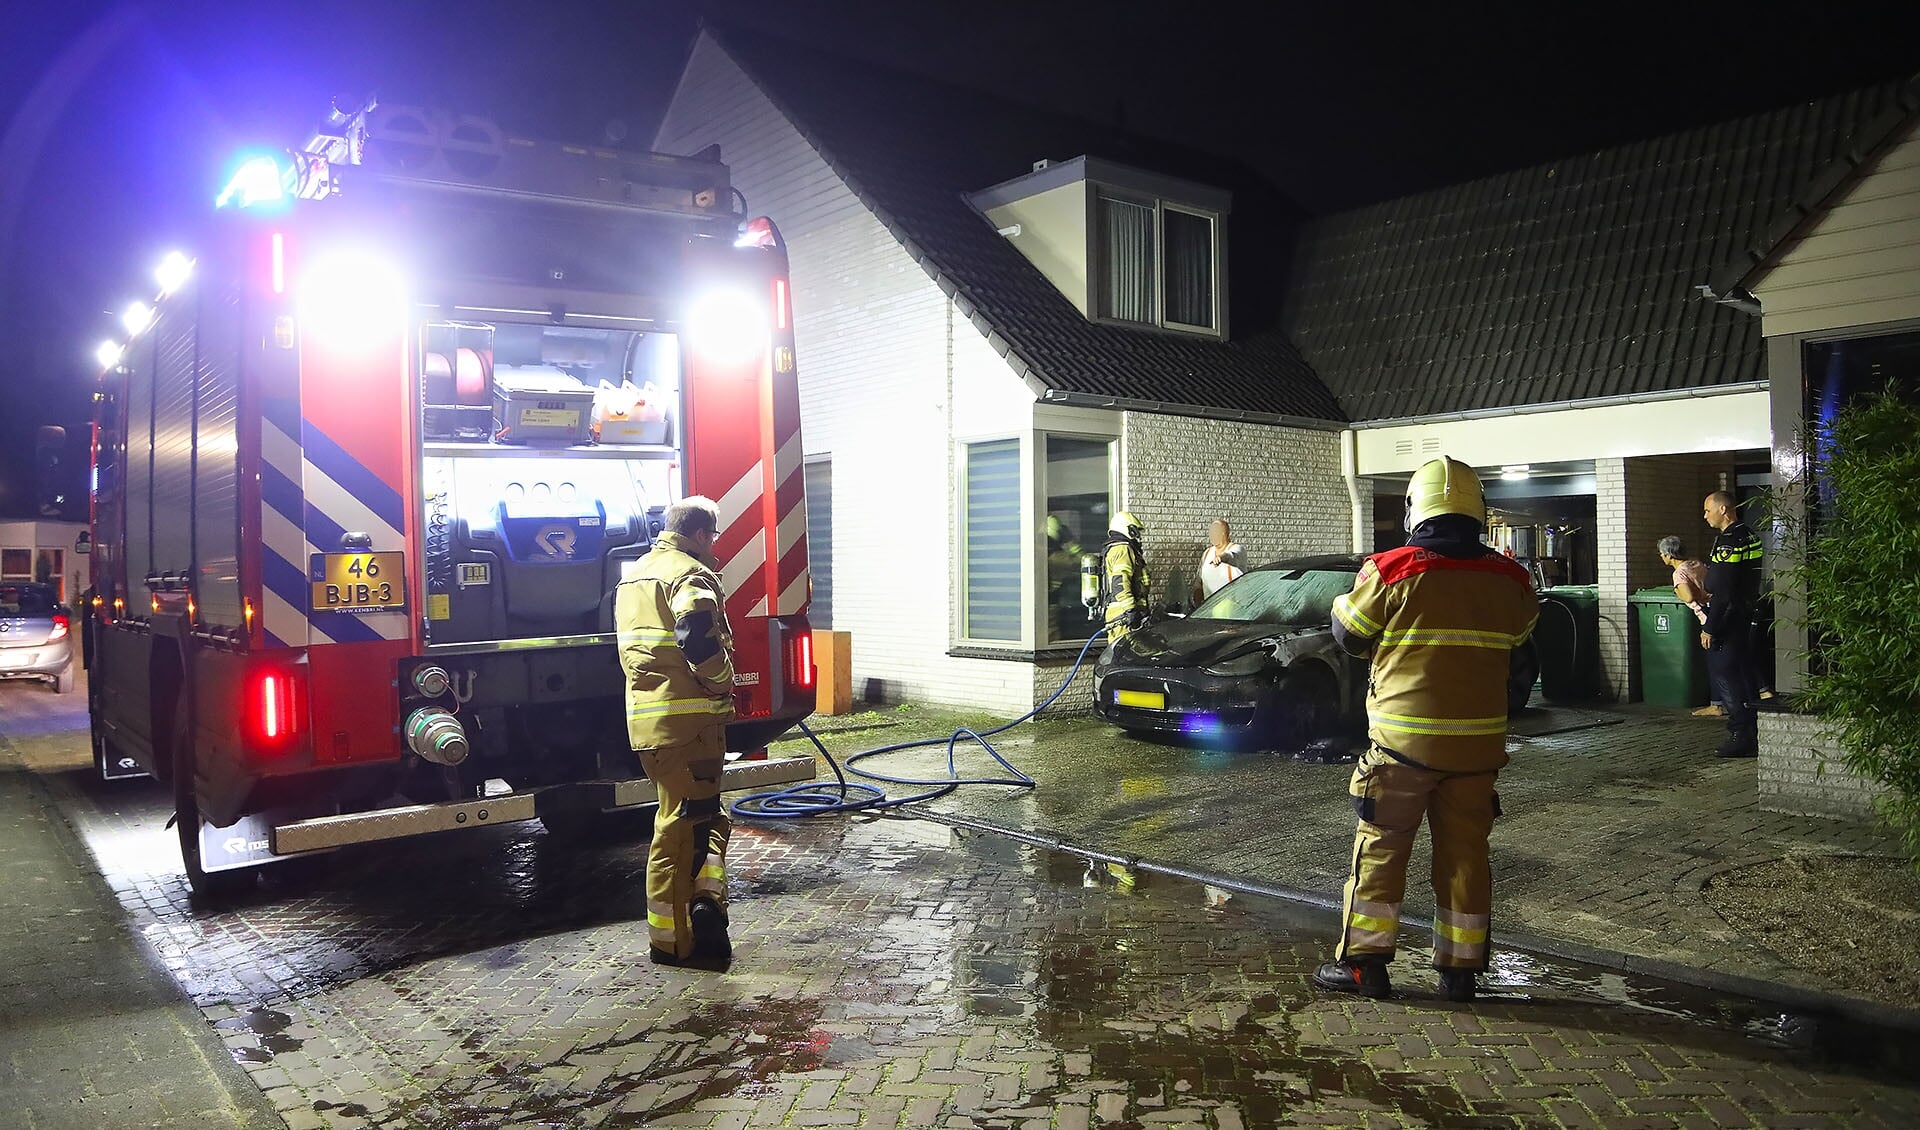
[[1673, 669]]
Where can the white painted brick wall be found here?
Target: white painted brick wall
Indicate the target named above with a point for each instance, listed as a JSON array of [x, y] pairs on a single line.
[[1801, 771], [1279, 489], [871, 333]]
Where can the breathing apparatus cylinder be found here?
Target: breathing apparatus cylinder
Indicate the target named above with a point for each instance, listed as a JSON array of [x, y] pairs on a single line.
[[1090, 584]]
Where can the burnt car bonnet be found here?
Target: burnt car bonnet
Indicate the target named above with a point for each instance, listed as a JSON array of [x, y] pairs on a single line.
[[1198, 643]]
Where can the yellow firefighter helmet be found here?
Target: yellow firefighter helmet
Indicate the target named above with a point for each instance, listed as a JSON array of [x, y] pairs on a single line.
[[1445, 486], [1125, 525]]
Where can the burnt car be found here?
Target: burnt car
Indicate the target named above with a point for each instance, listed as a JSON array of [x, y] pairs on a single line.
[[1256, 663], [36, 637]]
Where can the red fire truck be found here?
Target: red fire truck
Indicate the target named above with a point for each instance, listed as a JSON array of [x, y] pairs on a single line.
[[366, 478]]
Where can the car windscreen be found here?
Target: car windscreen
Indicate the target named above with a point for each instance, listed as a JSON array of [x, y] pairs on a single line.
[[1299, 598], [26, 600]]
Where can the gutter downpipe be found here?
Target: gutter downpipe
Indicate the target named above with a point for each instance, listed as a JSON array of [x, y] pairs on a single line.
[[1568, 405], [1350, 471]]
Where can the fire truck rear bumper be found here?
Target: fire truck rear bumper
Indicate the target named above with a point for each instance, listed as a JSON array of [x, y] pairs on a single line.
[[324, 832]]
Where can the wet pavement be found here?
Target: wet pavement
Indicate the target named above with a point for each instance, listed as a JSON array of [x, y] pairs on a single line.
[[1614, 824], [903, 973]]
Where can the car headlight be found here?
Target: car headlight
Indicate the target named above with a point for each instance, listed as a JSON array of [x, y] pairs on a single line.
[[1252, 663]]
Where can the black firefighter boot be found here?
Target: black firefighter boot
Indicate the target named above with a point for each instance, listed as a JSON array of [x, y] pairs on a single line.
[[1365, 976], [1741, 743], [1457, 984], [711, 947]]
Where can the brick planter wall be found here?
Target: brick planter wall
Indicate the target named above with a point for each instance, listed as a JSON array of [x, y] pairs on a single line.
[[1801, 771]]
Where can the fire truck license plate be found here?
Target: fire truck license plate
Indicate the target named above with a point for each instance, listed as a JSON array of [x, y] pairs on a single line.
[[358, 582]]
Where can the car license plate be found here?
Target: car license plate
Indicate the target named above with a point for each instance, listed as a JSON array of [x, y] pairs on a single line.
[[1145, 700], [358, 582]]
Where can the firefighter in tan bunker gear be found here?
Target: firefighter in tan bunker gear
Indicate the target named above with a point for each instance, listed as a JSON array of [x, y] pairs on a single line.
[[1124, 576], [1441, 616], [676, 653]]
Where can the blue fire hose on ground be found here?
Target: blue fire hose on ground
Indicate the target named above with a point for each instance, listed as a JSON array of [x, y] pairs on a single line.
[[819, 798]]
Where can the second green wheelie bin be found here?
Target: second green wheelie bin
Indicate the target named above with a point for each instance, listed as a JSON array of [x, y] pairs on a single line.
[[1673, 668]]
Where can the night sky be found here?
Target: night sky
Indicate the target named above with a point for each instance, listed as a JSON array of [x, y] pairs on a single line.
[[120, 118]]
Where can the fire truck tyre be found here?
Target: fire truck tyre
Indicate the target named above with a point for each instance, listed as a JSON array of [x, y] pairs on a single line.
[[213, 885], [63, 682]]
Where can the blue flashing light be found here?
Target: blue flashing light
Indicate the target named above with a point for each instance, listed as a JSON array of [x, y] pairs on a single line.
[[256, 181], [1202, 725]]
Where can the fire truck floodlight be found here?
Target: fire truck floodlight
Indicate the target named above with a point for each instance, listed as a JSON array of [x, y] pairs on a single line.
[[353, 299], [109, 354], [728, 326], [173, 272], [256, 180], [137, 318]]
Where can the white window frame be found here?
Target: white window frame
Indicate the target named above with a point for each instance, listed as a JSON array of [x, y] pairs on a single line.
[[1090, 540], [1097, 261]]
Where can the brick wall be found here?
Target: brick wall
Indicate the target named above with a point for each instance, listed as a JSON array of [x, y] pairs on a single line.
[[1637, 502], [1279, 489], [1801, 771]]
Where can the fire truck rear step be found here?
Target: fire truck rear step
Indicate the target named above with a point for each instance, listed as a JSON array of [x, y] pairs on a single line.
[[324, 832]]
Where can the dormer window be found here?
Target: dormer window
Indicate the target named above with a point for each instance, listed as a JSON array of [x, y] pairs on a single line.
[[1155, 262], [1126, 246]]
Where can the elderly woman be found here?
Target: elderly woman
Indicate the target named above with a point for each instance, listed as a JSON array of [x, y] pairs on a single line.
[[1690, 585]]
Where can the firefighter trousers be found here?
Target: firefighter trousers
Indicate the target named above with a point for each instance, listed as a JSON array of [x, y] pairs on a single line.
[[688, 856], [1391, 797]]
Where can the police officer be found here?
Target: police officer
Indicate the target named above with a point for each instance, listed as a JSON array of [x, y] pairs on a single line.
[[1441, 616], [1124, 576], [676, 652], [1733, 587]]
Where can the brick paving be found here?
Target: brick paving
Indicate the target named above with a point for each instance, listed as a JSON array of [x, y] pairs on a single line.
[[1608, 835], [91, 1033], [903, 973]]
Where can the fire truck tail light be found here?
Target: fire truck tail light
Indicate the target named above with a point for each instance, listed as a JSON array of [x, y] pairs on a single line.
[[782, 306], [273, 708], [60, 627], [803, 673]]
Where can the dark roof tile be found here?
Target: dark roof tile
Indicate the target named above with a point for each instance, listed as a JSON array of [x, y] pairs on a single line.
[[912, 150], [1570, 280]]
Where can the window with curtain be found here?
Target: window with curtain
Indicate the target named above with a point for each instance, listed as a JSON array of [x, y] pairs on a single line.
[[1189, 267], [1155, 264], [819, 491], [1126, 256], [991, 549]]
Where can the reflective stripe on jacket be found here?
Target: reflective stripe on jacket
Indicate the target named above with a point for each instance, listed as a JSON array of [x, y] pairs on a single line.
[[676, 649], [1733, 579], [1444, 629]]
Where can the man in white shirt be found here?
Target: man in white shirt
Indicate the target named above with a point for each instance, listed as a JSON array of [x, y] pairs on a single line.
[[1222, 561]]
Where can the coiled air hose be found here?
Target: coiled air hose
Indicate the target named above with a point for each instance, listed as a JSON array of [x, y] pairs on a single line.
[[819, 798]]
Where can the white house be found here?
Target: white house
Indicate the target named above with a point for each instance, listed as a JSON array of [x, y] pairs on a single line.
[[1004, 316]]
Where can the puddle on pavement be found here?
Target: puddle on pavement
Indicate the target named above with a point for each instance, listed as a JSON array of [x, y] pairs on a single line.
[[268, 1027], [721, 1048], [1565, 991]]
